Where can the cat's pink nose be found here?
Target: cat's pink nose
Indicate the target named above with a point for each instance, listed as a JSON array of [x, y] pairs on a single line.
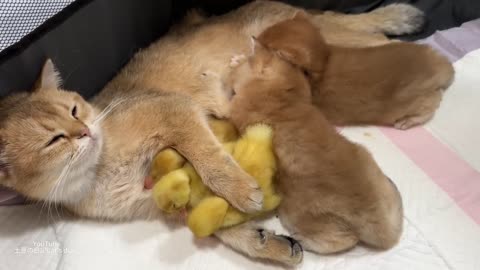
[[85, 132]]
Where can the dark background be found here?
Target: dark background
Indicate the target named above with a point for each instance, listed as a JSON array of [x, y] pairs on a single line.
[[91, 40]]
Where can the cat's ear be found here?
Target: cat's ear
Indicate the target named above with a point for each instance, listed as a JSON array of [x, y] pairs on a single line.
[[49, 77]]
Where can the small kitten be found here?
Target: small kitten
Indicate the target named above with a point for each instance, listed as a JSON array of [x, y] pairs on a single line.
[[334, 194], [399, 84]]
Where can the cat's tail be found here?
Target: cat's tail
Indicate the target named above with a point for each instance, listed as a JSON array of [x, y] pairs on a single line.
[[394, 19]]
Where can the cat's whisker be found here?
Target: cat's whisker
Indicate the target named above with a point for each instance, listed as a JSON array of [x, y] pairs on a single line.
[[107, 110], [54, 193], [59, 186]]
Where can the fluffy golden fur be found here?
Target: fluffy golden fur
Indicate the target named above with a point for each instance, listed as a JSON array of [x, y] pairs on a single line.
[[334, 194], [166, 91], [193, 59], [47, 154], [399, 84]]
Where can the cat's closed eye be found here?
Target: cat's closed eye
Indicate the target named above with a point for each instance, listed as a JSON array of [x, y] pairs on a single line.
[[55, 139], [74, 112]]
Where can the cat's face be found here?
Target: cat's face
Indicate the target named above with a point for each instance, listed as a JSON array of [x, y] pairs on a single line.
[[50, 143]]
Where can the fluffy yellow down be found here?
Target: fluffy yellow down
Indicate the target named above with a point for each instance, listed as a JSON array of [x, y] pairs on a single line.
[[178, 186]]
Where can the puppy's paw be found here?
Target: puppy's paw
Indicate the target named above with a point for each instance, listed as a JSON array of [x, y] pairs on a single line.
[[412, 121], [399, 19], [281, 248]]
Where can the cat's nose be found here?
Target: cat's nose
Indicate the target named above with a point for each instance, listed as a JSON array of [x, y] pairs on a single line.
[[85, 132]]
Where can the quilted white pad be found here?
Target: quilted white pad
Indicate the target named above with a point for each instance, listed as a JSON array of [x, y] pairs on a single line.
[[436, 168]]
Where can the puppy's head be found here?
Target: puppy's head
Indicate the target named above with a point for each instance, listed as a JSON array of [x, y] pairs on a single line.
[[298, 41], [265, 74], [264, 83]]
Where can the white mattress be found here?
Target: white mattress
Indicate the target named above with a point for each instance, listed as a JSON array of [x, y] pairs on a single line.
[[436, 168]]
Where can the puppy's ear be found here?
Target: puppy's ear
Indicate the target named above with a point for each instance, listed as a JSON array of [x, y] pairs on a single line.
[[297, 56], [260, 55], [49, 77], [256, 47]]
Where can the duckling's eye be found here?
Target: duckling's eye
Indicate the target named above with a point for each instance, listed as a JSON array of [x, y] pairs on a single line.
[[56, 139], [74, 112]]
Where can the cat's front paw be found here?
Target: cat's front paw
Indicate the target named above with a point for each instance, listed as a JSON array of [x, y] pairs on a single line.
[[244, 193]]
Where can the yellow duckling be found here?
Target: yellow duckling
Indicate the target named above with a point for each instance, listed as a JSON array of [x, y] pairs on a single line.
[[177, 185]]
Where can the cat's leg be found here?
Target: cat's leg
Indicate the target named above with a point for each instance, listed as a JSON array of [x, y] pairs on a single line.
[[256, 242], [395, 19], [185, 128], [368, 29]]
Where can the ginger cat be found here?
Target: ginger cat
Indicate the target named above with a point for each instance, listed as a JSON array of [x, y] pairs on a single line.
[[92, 158], [334, 194], [64, 136], [399, 84]]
